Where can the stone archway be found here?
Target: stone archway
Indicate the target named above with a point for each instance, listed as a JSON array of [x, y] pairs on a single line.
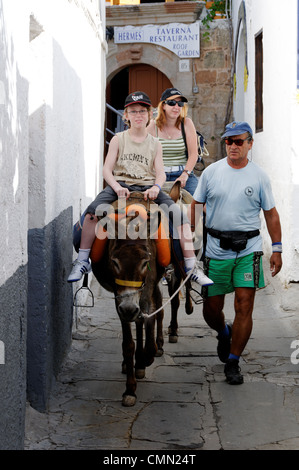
[[143, 77], [122, 56]]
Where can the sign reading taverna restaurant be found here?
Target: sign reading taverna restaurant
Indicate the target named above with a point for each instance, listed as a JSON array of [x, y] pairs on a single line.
[[182, 39]]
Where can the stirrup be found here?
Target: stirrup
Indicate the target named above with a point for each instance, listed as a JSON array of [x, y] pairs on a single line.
[[76, 302]]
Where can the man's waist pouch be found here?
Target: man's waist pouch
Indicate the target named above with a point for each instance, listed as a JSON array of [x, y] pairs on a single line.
[[233, 240]]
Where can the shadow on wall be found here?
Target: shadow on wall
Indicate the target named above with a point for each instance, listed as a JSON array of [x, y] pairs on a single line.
[[13, 298], [50, 309], [56, 176], [13, 247]]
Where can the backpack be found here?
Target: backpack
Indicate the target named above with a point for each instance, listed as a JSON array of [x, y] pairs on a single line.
[[202, 151]]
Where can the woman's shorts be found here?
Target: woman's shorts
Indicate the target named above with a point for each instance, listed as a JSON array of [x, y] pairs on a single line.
[[228, 274]]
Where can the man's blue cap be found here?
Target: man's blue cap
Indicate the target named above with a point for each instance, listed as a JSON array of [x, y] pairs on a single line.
[[236, 128]]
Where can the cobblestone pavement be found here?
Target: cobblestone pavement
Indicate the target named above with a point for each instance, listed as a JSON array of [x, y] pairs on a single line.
[[184, 402]]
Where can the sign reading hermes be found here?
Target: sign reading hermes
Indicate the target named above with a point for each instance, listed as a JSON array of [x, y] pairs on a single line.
[[181, 39]]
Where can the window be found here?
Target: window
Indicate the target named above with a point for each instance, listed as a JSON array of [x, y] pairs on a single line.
[[259, 82]]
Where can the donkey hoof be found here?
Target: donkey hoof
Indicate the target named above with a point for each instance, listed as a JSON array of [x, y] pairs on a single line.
[[139, 373], [128, 400], [159, 352], [173, 338]]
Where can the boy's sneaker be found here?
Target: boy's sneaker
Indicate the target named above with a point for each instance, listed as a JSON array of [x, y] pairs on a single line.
[[79, 269], [232, 372], [223, 346], [199, 277]]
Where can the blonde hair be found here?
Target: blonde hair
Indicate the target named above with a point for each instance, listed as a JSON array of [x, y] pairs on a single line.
[[128, 122], [161, 118]]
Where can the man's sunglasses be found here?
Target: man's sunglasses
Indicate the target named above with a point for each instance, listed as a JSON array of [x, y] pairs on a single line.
[[238, 142], [173, 103]]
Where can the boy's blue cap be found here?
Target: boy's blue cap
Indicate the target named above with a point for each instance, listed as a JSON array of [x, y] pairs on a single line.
[[236, 128]]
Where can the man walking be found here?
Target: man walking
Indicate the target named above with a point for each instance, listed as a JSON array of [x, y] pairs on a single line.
[[235, 190]]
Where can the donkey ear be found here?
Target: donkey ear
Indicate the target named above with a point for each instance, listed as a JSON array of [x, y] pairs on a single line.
[[175, 191]]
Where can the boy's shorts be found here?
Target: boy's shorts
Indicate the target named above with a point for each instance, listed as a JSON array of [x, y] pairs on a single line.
[[227, 274]]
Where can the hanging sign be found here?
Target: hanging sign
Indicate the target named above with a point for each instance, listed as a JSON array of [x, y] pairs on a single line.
[[182, 39]]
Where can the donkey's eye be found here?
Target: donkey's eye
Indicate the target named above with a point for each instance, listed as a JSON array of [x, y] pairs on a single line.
[[145, 265], [115, 264]]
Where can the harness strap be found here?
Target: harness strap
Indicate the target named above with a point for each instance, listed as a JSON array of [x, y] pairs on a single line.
[[218, 233], [122, 282]]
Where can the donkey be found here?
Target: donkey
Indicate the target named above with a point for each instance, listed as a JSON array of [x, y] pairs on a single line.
[[175, 272], [129, 268], [132, 268]]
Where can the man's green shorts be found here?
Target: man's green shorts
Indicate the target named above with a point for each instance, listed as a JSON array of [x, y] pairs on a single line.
[[227, 274]]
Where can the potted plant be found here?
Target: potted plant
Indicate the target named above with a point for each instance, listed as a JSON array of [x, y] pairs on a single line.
[[216, 9]]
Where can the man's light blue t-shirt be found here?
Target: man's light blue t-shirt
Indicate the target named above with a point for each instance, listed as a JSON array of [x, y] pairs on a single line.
[[234, 199]]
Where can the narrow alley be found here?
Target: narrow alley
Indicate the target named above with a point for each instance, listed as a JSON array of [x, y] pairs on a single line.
[[184, 402]]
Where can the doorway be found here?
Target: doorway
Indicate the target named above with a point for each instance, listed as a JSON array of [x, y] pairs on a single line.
[[149, 79], [139, 77]]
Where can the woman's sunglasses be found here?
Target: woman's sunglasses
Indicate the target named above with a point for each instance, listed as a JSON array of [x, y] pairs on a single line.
[[173, 103], [238, 142]]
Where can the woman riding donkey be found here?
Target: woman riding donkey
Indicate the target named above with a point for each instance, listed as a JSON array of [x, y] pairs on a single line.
[[178, 160], [134, 163]]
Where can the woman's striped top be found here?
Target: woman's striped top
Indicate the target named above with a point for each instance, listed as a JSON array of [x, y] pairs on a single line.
[[174, 151]]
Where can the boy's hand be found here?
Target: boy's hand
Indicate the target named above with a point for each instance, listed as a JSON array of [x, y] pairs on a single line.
[[122, 192], [151, 193]]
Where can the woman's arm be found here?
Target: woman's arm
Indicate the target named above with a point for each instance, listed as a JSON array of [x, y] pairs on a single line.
[[191, 139]]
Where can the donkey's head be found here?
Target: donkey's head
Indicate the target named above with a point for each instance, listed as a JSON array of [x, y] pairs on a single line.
[[130, 263]]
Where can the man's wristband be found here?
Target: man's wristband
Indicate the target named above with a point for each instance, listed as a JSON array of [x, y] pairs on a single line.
[[277, 247], [157, 185]]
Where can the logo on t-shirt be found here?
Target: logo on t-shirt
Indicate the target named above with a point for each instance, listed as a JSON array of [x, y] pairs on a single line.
[[249, 191]]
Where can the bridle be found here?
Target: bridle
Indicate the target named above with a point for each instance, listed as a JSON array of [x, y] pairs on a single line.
[[125, 283], [138, 285], [128, 294]]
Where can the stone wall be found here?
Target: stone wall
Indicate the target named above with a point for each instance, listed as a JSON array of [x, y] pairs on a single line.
[[213, 103]]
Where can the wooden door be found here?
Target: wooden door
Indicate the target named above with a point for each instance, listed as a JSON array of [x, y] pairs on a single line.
[[146, 78]]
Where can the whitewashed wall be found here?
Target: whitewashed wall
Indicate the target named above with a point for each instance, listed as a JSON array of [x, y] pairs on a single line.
[[276, 149], [52, 108], [14, 216], [13, 140], [67, 71]]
